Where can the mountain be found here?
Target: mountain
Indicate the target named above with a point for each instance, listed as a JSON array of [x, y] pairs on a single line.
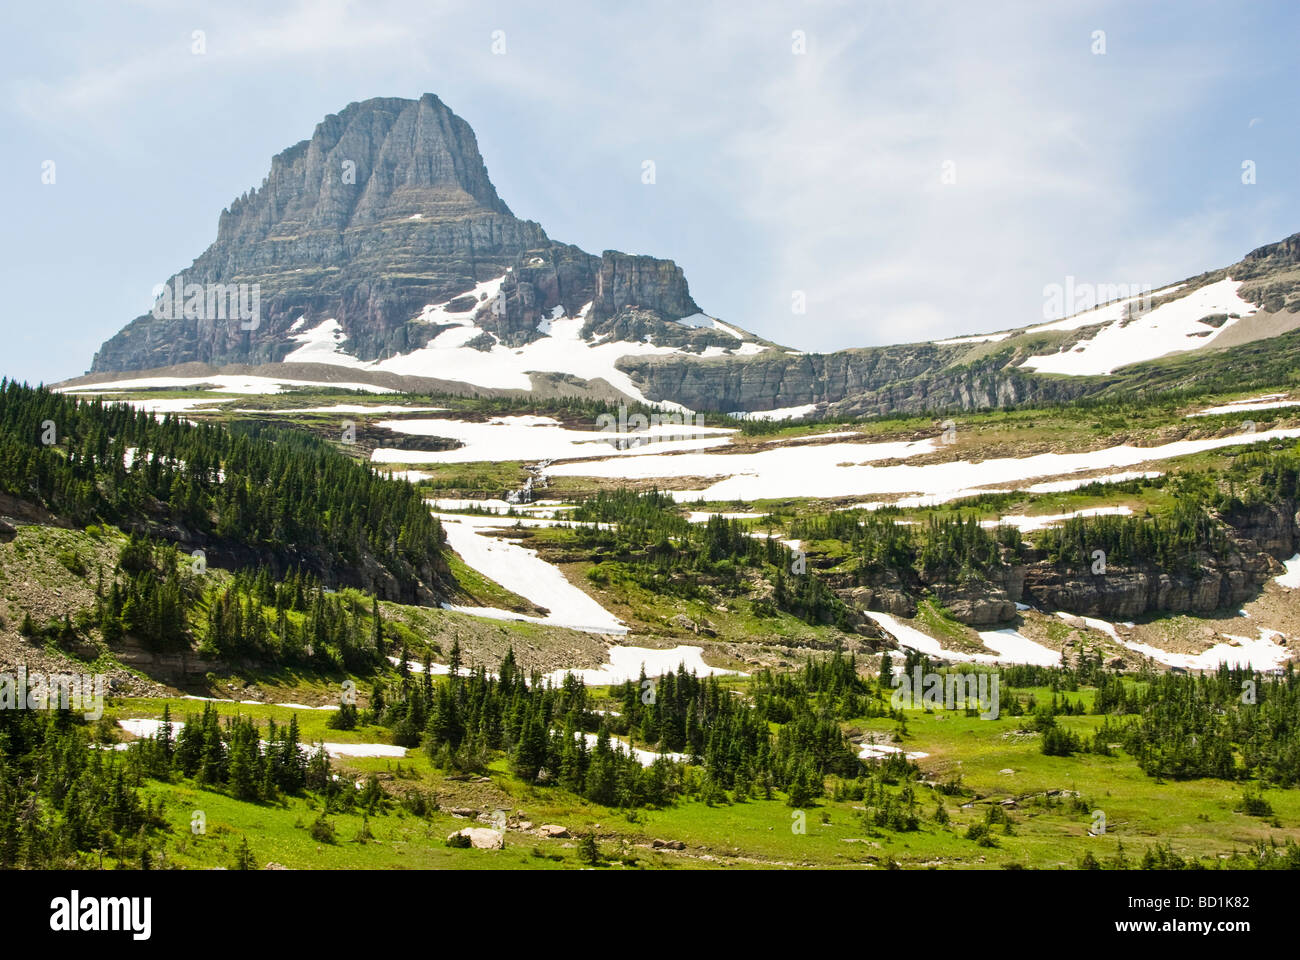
[[381, 254], [382, 236]]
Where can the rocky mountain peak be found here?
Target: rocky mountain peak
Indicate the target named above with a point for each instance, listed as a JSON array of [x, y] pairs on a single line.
[[386, 211], [386, 208], [377, 160]]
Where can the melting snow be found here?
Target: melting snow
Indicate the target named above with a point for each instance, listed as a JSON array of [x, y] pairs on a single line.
[[1013, 647], [625, 664], [150, 728], [521, 571], [704, 321], [447, 356], [844, 469], [909, 636], [644, 757], [1027, 523], [1292, 576], [220, 383], [781, 413], [1263, 653], [1169, 328], [346, 408], [1009, 645], [703, 516], [173, 404], [878, 751], [541, 438], [1271, 402], [1106, 313], [987, 338]]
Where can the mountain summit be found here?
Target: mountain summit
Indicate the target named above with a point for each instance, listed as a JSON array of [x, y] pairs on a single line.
[[381, 233]]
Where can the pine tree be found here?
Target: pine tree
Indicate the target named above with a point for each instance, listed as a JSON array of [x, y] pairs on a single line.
[[244, 859]]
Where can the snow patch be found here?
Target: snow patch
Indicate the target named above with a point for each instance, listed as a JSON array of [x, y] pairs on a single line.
[[521, 571], [542, 438], [221, 383], [781, 413], [1173, 327], [1291, 578], [625, 663], [987, 338], [845, 469], [1027, 523]]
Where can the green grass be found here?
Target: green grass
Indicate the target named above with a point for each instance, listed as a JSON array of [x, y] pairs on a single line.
[[1049, 828]]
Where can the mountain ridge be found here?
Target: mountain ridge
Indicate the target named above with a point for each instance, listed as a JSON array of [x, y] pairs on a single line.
[[379, 244]]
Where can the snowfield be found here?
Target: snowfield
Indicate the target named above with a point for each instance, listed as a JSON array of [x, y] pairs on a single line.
[[374, 409], [978, 338], [447, 356], [1026, 523], [521, 571], [1272, 401], [781, 413], [541, 438], [1008, 644], [149, 728], [1106, 313], [909, 636], [1261, 653], [1011, 647], [878, 751], [1290, 579], [626, 663], [165, 405], [1170, 328], [844, 469], [788, 467], [220, 383]]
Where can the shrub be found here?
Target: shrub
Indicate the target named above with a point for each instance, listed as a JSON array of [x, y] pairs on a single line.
[[322, 831]]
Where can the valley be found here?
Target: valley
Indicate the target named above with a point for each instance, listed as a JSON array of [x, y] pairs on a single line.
[[941, 545], [474, 550]]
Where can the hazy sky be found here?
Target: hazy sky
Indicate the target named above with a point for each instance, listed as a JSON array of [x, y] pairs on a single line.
[[775, 171]]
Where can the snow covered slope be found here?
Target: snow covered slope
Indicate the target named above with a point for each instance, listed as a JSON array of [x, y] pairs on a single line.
[[460, 349], [1132, 335]]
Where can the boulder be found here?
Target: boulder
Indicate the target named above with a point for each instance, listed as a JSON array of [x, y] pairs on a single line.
[[553, 831], [481, 838], [668, 844]]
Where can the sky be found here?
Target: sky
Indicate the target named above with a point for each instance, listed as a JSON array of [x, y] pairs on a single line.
[[909, 171]]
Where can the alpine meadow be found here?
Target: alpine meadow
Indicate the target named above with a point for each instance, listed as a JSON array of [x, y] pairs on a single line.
[[392, 533]]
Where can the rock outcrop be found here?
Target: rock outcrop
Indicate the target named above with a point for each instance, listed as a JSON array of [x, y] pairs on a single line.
[[1260, 536]]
